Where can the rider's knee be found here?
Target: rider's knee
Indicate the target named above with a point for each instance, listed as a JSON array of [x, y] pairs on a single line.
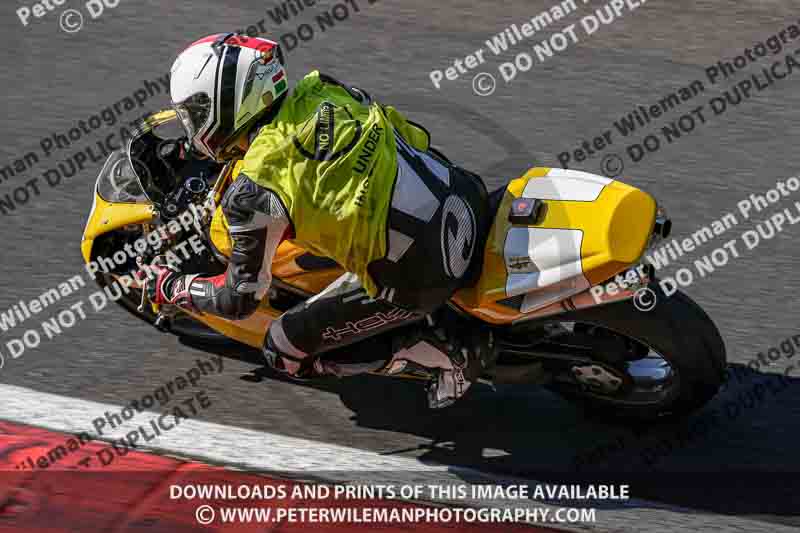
[[281, 354]]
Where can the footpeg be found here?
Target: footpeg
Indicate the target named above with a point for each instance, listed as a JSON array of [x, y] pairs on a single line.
[[163, 323]]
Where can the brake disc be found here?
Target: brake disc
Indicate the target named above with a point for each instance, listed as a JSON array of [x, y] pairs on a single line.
[[598, 378]]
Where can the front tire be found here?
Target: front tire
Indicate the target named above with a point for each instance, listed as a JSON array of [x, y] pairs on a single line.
[[182, 326]]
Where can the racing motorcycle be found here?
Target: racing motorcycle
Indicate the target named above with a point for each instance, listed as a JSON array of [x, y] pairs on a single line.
[[561, 284]]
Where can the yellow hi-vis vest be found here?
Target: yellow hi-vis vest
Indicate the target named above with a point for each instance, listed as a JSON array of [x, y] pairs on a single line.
[[332, 160]]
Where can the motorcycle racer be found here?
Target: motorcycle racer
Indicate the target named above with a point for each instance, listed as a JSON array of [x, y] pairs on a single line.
[[347, 179]]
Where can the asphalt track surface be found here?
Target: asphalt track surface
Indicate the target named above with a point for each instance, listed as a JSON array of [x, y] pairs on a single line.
[[52, 79]]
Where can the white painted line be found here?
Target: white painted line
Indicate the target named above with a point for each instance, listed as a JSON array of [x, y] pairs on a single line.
[[255, 450]]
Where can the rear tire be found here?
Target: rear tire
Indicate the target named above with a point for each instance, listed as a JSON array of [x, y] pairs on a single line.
[[680, 331]]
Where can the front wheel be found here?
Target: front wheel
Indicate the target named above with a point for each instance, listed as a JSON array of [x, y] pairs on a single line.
[[182, 325], [627, 363]]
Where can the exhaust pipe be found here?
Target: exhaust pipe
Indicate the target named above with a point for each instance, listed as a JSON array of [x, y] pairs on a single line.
[[663, 226]]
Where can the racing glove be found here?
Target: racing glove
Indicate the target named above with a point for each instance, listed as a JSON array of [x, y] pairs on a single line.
[[165, 285]]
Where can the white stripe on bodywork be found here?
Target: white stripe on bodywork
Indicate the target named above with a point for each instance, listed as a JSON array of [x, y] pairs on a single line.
[[538, 258], [563, 184]]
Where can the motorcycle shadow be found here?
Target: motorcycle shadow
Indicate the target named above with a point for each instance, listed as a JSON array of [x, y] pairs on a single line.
[[726, 458], [736, 455]]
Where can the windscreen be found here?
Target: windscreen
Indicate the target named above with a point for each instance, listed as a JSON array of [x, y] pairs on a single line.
[[118, 182]]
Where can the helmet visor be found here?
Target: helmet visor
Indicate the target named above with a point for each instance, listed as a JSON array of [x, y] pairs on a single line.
[[193, 113]]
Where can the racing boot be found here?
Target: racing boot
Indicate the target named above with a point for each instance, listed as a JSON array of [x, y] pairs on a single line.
[[456, 354]]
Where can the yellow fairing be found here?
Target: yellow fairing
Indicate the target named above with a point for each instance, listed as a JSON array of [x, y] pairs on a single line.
[[592, 229], [106, 217], [250, 331]]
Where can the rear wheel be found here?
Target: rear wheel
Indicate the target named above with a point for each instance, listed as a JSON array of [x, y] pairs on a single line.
[[625, 363]]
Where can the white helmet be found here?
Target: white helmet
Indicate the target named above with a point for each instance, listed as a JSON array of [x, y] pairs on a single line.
[[221, 85]]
